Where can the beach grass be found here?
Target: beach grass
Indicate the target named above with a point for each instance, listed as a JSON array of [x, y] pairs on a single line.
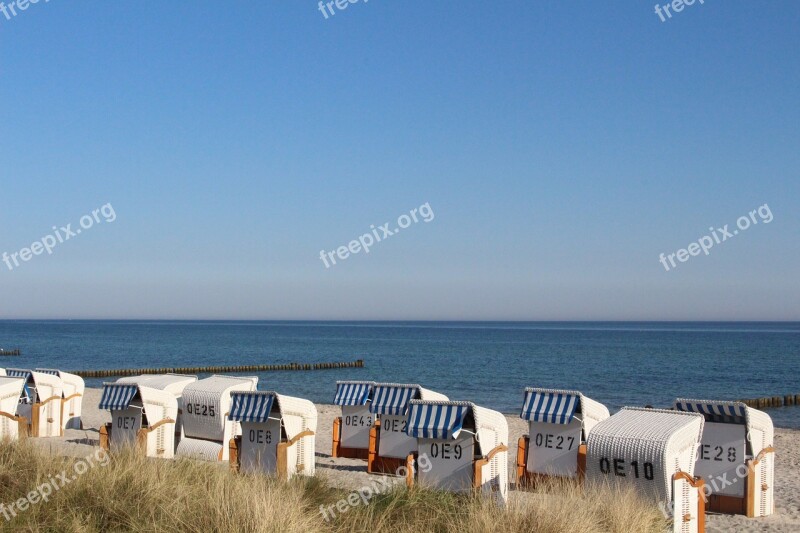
[[130, 493]]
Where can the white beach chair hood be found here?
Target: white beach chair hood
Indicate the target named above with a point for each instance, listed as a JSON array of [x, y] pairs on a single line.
[[49, 393], [10, 393], [72, 393]]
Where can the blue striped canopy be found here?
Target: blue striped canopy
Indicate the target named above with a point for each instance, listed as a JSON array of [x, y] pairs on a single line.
[[436, 420], [730, 412], [49, 371], [551, 407], [391, 399], [352, 392], [18, 373], [116, 396], [251, 406]]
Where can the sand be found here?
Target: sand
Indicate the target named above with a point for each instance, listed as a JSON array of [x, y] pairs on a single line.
[[351, 474]]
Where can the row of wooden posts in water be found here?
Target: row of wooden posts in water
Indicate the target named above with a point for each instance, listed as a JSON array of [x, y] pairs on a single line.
[[773, 401], [9, 352], [217, 369]]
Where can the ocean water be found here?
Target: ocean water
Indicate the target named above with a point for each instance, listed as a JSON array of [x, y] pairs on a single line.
[[617, 363]]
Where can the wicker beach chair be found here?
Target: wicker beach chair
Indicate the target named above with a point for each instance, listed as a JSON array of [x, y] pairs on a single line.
[[172, 383], [12, 426], [559, 422], [461, 448], [142, 418], [71, 398], [278, 434], [42, 407], [389, 444], [206, 430], [2, 371], [653, 451], [351, 430], [736, 457]]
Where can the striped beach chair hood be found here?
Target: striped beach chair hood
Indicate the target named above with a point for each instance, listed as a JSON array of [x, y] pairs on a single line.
[[349, 393], [393, 398], [437, 419], [157, 404], [555, 406], [758, 422], [296, 414], [47, 385]]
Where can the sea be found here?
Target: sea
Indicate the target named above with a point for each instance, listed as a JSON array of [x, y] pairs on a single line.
[[488, 363]]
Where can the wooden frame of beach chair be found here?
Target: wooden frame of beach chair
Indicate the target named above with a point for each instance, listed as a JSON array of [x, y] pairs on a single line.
[[206, 430], [71, 398], [12, 426], [737, 445], [461, 448], [278, 434], [653, 451], [43, 413], [558, 422], [351, 430], [142, 418], [389, 444]]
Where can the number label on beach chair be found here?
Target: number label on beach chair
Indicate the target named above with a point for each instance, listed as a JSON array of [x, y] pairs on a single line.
[[394, 441], [126, 426], [356, 423], [721, 452], [621, 467], [199, 409], [451, 463], [553, 448], [261, 450]]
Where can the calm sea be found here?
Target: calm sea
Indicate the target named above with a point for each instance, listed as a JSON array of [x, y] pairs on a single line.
[[617, 363]]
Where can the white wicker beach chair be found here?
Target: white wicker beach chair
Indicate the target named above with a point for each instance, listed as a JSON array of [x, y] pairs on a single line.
[[278, 434], [2, 371], [389, 444], [736, 457], [42, 409], [460, 448], [206, 429], [12, 426], [172, 383], [72, 398], [351, 430], [652, 450], [142, 418], [558, 423]]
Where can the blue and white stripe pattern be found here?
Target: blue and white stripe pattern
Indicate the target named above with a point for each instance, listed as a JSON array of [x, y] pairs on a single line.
[[117, 397], [441, 420], [549, 406], [49, 371], [731, 412], [392, 399], [251, 406], [352, 392], [18, 373]]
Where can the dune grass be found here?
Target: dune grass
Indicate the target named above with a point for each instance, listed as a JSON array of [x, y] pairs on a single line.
[[130, 493]]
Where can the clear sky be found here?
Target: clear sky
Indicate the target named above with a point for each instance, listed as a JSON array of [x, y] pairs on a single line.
[[562, 146]]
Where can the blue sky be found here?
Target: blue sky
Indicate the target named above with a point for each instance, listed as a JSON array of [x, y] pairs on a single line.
[[561, 146]]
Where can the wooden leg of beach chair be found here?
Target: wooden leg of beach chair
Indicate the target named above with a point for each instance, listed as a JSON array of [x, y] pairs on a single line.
[[233, 453], [522, 461], [581, 463], [753, 483], [105, 435], [374, 437], [35, 420], [410, 470], [337, 424], [283, 461], [699, 484]]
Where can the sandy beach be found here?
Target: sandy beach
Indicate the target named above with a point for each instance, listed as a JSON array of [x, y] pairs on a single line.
[[351, 474]]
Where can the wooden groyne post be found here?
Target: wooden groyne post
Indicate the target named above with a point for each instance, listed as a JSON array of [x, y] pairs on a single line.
[[9, 352], [217, 369], [773, 401]]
